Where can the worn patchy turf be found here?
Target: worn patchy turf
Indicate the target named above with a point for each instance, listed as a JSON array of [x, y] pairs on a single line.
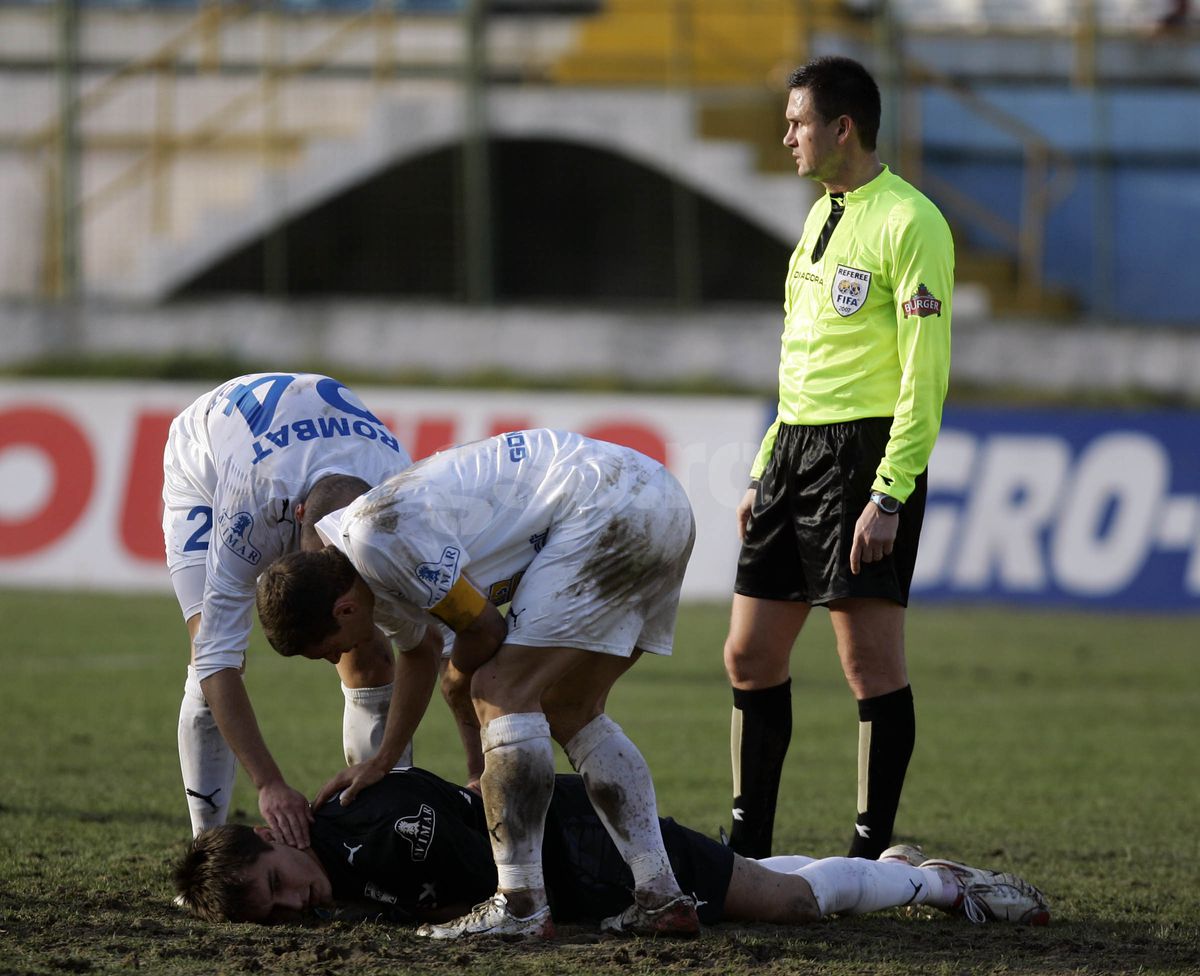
[[1058, 746]]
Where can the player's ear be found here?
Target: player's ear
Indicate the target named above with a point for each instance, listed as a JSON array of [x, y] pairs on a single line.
[[299, 510], [347, 604], [267, 834]]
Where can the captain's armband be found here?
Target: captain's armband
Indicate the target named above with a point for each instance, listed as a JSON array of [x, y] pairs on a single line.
[[460, 607]]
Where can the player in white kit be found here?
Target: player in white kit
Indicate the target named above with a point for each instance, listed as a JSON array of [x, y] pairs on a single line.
[[238, 466], [587, 543]]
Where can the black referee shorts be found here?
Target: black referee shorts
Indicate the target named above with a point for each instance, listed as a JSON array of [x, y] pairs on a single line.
[[801, 528], [586, 879]]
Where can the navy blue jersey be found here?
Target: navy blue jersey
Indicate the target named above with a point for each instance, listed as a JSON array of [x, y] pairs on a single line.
[[414, 843]]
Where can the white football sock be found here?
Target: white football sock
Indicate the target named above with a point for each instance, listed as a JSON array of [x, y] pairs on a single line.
[[363, 721], [517, 783], [205, 759], [854, 885], [619, 785], [786, 863]]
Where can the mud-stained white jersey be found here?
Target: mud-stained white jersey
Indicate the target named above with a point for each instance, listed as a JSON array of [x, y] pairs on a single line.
[[483, 510], [261, 442]]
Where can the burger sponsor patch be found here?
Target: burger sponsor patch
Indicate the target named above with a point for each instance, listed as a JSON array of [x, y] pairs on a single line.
[[923, 303]]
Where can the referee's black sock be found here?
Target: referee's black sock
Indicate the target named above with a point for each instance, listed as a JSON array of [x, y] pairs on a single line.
[[887, 730], [759, 736]]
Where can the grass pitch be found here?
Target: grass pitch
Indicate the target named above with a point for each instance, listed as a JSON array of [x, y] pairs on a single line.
[[1062, 747]]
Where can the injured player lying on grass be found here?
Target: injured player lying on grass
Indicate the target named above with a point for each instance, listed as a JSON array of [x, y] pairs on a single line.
[[414, 848]]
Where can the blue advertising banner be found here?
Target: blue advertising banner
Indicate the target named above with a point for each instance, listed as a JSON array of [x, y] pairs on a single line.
[[1064, 508]]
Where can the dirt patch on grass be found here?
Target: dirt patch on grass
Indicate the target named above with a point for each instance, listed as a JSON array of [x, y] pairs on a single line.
[[98, 938]]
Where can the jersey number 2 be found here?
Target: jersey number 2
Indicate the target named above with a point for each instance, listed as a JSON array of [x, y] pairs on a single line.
[[198, 540]]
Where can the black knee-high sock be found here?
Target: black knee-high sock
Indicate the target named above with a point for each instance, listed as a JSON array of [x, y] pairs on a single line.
[[887, 731], [762, 729]]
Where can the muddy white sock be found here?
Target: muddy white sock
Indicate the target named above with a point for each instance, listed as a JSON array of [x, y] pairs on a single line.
[[363, 721], [786, 863], [517, 783], [619, 785], [854, 885], [205, 759], [944, 888]]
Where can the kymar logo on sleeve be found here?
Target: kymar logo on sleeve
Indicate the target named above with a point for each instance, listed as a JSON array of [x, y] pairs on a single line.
[[439, 576], [235, 531], [849, 291]]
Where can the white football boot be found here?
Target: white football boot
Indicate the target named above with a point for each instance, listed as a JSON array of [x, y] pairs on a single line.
[[909, 853], [677, 919], [492, 918], [994, 896]]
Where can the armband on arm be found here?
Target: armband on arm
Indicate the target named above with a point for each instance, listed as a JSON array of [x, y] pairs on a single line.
[[478, 627], [459, 608]]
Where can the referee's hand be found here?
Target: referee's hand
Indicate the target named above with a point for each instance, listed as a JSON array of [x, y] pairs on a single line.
[[743, 513], [874, 536]]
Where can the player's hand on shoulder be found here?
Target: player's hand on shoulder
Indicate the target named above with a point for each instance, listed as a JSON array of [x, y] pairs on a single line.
[[349, 782], [286, 812]]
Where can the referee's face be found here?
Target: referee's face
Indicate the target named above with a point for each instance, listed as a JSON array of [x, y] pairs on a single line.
[[816, 145]]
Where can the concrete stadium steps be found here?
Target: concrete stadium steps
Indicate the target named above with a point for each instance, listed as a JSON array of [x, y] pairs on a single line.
[[668, 132], [996, 275], [755, 119], [695, 42], [1026, 15], [655, 129]]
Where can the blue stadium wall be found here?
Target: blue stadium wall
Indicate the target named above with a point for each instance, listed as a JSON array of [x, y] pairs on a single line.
[[1064, 508], [1125, 239]]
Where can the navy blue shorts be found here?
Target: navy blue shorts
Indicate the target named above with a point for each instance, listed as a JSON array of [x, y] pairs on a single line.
[[587, 880], [801, 528]]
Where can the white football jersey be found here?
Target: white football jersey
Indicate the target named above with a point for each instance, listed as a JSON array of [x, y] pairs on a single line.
[[484, 509], [259, 443]]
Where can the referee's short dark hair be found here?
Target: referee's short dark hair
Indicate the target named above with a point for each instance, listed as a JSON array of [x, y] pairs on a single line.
[[842, 86]]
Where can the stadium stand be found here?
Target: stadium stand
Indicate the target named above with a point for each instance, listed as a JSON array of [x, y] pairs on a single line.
[[206, 130]]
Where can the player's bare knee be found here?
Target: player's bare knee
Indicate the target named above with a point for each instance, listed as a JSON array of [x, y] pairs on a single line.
[[870, 679], [493, 694], [568, 712], [804, 911], [754, 667], [757, 894], [566, 723], [794, 903], [367, 671], [738, 660]]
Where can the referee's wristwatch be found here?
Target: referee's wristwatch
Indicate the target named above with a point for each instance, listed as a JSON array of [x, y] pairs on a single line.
[[886, 503]]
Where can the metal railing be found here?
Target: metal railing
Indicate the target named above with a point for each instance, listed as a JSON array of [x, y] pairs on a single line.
[[1049, 175], [197, 47]]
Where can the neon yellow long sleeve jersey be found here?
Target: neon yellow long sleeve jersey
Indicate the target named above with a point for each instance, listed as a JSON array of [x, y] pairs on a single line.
[[867, 327]]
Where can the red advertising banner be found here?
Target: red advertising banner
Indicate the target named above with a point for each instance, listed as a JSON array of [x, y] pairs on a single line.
[[81, 466]]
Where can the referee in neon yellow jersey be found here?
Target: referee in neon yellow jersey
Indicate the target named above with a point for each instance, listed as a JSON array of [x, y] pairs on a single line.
[[837, 493]]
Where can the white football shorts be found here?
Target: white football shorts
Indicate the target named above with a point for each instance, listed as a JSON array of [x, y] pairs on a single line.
[[608, 580]]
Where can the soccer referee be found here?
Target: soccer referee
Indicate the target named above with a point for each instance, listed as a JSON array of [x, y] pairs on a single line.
[[837, 493]]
